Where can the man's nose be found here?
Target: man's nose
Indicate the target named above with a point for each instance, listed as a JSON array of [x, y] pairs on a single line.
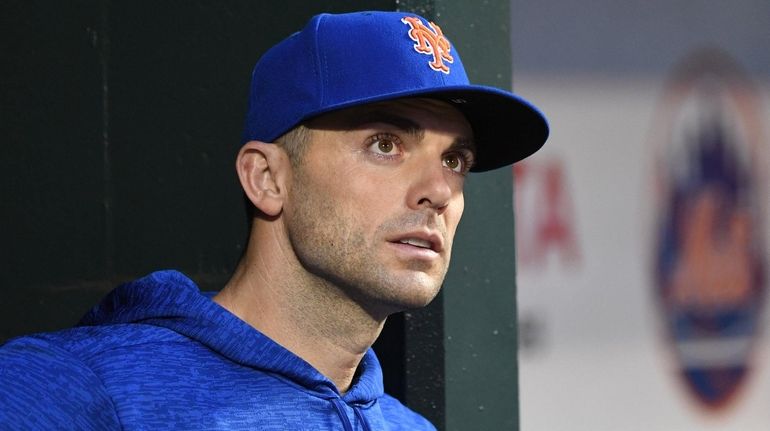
[[431, 188]]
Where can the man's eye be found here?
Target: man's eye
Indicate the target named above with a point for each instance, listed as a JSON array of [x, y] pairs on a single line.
[[383, 145], [456, 162]]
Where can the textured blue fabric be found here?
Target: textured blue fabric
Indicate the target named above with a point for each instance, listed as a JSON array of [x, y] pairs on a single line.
[[158, 354]]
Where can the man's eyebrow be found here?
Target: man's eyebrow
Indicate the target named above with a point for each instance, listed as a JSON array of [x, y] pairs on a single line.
[[398, 121], [463, 144], [405, 124]]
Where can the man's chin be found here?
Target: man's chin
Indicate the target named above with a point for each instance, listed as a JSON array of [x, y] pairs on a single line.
[[415, 290]]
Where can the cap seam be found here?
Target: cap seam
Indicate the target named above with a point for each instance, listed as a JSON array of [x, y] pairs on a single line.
[[320, 64]]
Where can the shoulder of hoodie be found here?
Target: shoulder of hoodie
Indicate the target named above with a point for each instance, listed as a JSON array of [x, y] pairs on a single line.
[[87, 342], [409, 420], [49, 383], [83, 349]]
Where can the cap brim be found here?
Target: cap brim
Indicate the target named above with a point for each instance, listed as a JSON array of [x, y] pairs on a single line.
[[506, 128]]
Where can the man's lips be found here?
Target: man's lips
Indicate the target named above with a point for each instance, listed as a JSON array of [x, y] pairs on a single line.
[[427, 240]]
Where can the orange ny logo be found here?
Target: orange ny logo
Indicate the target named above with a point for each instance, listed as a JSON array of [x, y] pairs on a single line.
[[430, 41]]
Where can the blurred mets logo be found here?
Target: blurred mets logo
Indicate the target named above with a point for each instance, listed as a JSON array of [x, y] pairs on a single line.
[[431, 41], [710, 253]]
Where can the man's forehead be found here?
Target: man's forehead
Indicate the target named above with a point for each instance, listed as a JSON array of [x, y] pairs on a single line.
[[411, 114]]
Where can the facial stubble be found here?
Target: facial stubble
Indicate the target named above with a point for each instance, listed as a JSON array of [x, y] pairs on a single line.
[[332, 247]]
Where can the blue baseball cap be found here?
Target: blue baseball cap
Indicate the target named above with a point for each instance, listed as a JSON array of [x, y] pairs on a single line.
[[346, 60]]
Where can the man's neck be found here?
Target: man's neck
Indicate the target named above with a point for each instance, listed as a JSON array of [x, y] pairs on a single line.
[[304, 314]]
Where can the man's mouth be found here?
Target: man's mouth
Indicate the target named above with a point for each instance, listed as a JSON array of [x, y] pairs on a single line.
[[417, 242], [421, 240]]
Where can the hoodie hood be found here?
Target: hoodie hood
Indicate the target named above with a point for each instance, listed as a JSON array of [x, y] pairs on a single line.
[[169, 299]]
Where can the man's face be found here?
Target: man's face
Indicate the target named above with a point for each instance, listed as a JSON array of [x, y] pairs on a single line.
[[375, 201]]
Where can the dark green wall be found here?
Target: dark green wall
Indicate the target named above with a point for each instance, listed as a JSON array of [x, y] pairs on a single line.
[[479, 293], [120, 121]]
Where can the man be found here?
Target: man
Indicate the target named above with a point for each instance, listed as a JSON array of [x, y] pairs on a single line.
[[360, 131]]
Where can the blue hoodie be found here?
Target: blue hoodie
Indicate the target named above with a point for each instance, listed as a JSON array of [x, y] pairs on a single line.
[[157, 354]]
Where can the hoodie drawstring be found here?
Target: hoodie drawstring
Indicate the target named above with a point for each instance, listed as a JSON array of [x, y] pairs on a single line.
[[341, 412], [338, 404], [362, 418]]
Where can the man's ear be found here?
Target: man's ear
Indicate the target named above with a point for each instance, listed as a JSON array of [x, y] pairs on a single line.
[[263, 170]]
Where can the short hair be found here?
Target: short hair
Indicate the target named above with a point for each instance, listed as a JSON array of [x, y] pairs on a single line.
[[295, 142]]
